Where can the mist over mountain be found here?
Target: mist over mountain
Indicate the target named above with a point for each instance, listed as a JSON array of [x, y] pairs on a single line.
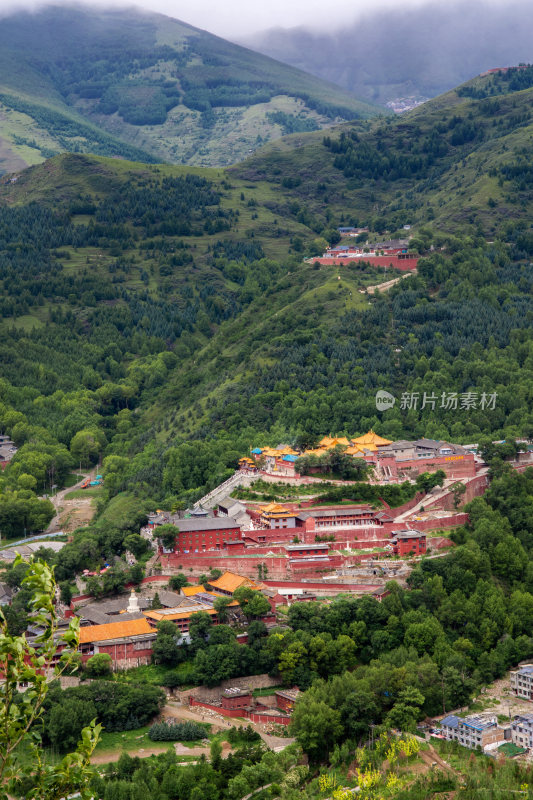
[[424, 51]]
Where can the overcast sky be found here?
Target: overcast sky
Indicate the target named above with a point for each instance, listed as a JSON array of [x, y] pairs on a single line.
[[235, 18]]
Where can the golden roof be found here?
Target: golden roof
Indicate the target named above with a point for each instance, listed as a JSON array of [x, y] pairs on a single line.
[[355, 450], [273, 508], [230, 581], [114, 630], [371, 438], [190, 591], [287, 451], [329, 442]]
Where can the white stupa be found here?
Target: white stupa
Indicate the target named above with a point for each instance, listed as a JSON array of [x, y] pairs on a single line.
[[133, 605]]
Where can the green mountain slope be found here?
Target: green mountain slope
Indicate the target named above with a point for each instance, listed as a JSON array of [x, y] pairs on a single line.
[[450, 161], [147, 87], [169, 308]]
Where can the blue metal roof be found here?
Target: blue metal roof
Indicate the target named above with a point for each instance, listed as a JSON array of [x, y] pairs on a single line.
[[257, 451], [292, 459], [450, 722], [478, 723]]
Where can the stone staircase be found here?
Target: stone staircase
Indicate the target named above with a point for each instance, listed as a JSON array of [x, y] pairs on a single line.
[[150, 564], [212, 499]]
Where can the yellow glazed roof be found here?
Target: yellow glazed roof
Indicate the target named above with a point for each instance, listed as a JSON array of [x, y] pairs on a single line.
[[371, 438]]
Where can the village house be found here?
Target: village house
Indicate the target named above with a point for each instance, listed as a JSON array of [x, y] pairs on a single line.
[[229, 582], [181, 615], [276, 515], [351, 231], [380, 594], [286, 699], [356, 516], [236, 698], [289, 595], [7, 450], [476, 731], [522, 730], [240, 702], [522, 682]]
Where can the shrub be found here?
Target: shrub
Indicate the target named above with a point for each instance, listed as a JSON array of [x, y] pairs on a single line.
[[99, 665], [176, 732]]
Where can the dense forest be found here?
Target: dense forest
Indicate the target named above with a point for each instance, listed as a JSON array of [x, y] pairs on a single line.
[[163, 321]]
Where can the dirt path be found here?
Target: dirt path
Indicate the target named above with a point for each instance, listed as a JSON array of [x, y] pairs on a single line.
[[73, 513], [384, 287], [431, 756], [114, 755], [182, 750], [183, 712]]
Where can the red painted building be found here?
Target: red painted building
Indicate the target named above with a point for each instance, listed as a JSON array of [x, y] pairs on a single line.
[[406, 459], [287, 699], [128, 643], [405, 263], [302, 550], [236, 698], [409, 542], [207, 533]]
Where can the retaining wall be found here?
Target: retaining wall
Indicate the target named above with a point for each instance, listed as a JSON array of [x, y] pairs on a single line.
[[206, 695], [246, 713]]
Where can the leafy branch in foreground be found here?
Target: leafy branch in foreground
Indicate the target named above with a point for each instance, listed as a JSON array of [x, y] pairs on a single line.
[[29, 665]]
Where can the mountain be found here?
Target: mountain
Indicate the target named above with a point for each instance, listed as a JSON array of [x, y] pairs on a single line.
[[167, 311], [146, 87], [409, 53], [454, 160]]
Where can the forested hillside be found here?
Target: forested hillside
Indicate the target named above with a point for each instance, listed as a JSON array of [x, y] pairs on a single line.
[[146, 87], [164, 318]]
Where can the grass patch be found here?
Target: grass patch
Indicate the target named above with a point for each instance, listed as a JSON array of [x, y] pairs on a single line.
[[77, 494], [71, 480], [155, 674], [267, 690], [116, 741], [27, 323], [510, 749]]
